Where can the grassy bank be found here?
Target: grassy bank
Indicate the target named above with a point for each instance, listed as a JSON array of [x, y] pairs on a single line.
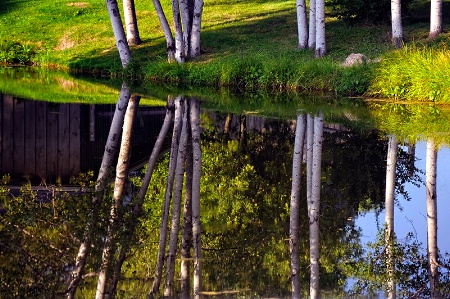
[[247, 44]]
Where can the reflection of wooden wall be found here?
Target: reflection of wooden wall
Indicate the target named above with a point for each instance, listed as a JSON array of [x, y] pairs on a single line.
[[38, 139]]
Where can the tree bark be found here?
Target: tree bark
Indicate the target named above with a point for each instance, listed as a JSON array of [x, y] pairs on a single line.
[[186, 7], [389, 213], [166, 29], [176, 209], [314, 206], [435, 18], [196, 27], [433, 270], [321, 49], [167, 198], [312, 25], [131, 25], [121, 177], [111, 149], [302, 24], [397, 27], [196, 172], [295, 205], [179, 41], [119, 33]]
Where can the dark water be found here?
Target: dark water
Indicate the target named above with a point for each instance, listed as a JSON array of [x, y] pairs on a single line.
[[245, 194]]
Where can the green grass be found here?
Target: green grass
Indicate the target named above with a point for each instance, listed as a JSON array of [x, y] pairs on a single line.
[[248, 45]]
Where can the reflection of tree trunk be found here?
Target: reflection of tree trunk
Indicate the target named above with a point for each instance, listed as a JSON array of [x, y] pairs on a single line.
[[431, 160], [176, 209], [309, 152], [242, 133], [167, 199], [314, 206], [121, 177], [389, 213], [196, 172], [295, 203], [111, 148], [91, 122], [186, 242], [411, 158]]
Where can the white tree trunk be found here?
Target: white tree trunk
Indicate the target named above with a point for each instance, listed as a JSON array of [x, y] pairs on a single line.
[[131, 25], [166, 29], [119, 33], [389, 213], [176, 210], [121, 177], [196, 27], [196, 172], [435, 18], [186, 243], [186, 17], [179, 41], [312, 25], [431, 160], [111, 149], [302, 24], [314, 206], [167, 198], [397, 27], [295, 204], [321, 48], [309, 154]]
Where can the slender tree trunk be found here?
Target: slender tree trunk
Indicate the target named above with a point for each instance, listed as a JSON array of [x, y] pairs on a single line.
[[397, 27], [167, 32], [196, 27], [242, 133], [389, 213], [186, 17], [111, 149], [137, 211], [302, 24], [186, 242], [196, 172], [314, 206], [167, 199], [321, 48], [312, 25], [121, 177], [129, 12], [179, 41], [119, 33], [295, 205], [435, 18], [176, 209], [431, 162]]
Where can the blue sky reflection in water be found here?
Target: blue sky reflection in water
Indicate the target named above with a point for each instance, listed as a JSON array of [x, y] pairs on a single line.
[[410, 216]]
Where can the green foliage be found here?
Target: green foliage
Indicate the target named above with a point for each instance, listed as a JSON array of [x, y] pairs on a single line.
[[16, 53], [364, 11]]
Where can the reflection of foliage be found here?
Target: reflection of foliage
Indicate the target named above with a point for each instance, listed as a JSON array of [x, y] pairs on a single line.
[[411, 275]]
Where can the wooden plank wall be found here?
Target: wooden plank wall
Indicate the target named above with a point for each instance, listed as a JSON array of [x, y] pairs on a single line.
[[39, 140]]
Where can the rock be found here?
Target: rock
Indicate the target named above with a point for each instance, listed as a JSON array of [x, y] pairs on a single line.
[[355, 59]]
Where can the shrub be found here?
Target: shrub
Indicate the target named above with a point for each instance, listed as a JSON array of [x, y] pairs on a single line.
[[16, 53]]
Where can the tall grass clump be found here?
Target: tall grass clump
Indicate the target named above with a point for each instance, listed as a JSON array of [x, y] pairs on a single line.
[[413, 73]]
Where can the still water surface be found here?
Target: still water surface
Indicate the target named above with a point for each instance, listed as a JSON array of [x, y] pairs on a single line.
[[246, 181]]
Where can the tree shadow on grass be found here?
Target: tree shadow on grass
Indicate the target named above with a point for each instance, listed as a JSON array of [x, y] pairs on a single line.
[[8, 5]]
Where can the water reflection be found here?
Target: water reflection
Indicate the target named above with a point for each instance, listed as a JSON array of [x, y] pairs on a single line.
[[245, 183]]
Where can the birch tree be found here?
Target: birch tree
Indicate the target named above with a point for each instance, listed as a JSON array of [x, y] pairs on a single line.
[[314, 206], [187, 17], [119, 33], [389, 213], [435, 18], [196, 172], [167, 199], [111, 150], [312, 25], [131, 25], [295, 205], [121, 177], [321, 49], [397, 27], [302, 24], [431, 198]]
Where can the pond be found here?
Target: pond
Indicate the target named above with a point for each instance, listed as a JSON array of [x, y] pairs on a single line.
[[55, 144]]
